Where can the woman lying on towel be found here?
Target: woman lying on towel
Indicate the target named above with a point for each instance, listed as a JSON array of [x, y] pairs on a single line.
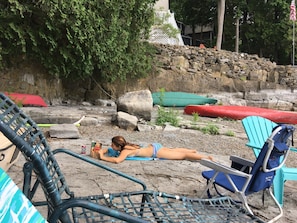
[[155, 150]]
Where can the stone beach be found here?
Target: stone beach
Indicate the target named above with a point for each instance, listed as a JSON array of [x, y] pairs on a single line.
[[176, 177]]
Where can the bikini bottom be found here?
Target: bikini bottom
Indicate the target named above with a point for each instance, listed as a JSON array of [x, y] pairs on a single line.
[[157, 147]]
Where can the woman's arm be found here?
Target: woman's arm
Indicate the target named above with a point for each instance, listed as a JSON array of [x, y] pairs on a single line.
[[118, 159], [103, 151]]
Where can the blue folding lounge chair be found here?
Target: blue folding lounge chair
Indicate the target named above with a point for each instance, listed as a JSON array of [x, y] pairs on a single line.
[[14, 205], [129, 206], [258, 129], [261, 173]]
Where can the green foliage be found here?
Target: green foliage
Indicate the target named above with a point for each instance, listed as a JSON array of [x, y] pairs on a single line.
[[161, 98], [167, 116], [193, 12], [230, 133], [211, 129], [79, 38], [195, 117], [162, 24], [265, 28]]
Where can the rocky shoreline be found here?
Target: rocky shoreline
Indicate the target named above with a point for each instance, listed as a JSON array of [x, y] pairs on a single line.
[[176, 177]]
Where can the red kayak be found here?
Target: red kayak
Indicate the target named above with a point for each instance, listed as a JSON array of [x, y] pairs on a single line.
[[240, 112], [27, 99]]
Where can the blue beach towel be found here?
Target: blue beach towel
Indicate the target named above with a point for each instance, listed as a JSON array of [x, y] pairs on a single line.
[[113, 153]]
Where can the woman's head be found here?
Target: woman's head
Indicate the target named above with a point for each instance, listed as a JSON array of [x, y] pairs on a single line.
[[118, 143]]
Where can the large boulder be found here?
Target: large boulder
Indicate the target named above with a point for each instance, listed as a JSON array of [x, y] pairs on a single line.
[[126, 121], [137, 103]]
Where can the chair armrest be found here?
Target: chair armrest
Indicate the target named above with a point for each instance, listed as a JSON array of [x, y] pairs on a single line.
[[242, 161], [100, 165], [223, 168], [253, 146], [241, 164]]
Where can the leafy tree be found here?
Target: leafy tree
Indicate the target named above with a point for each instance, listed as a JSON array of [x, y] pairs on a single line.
[[252, 26], [264, 26], [193, 13], [78, 38], [235, 17], [268, 34], [197, 13]]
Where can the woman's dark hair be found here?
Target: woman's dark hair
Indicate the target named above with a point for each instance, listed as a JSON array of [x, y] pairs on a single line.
[[120, 141]]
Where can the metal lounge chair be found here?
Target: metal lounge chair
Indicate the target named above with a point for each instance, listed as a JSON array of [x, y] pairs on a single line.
[[14, 205], [129, 206], [258, 129], [257, 176]]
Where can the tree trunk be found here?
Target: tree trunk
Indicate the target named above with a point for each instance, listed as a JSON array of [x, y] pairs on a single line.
[[221, 14], [237, 36]]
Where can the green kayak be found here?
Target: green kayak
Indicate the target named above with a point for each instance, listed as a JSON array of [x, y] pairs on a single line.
[[180, 99]]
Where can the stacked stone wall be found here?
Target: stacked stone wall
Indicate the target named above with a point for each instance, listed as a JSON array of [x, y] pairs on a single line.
[[234, 78]]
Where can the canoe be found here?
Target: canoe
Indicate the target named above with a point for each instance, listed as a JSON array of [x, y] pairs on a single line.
[[240, 112], [180, 99], [26, 99]]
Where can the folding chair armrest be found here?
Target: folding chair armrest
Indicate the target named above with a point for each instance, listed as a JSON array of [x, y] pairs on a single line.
[[253, 146], [241, 164], [222, 168], [242, 161]]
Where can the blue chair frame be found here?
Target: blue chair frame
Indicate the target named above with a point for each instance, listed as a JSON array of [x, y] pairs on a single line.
[[257, 130], [250, 177]]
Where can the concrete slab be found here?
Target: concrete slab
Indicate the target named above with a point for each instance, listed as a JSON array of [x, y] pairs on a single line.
[[64, 131]]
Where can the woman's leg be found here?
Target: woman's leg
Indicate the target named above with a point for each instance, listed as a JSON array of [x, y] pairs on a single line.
[[184, 150], [174, 154]]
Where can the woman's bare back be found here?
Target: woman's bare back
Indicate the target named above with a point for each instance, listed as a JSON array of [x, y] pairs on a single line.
[[142, 152]]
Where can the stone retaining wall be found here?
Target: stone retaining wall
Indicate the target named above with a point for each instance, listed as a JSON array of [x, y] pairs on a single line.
[[238, 76]]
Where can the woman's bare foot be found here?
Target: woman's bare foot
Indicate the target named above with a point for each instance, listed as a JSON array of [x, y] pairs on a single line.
[[210, 158]]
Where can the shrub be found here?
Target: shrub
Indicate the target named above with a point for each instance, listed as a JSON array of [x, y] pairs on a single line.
[[167, 116], [79, 38], [210, 129], [195, 117], [230, 133]]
